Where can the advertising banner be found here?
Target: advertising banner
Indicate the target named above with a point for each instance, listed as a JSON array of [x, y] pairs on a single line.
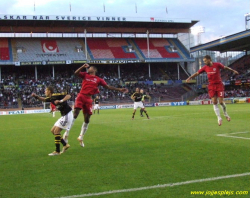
[[108, 107], [178, 103], [163, 104], [149, 105], [195, 102], [125, 106]]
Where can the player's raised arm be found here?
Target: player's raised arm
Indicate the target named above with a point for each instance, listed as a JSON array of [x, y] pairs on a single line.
[[38, 97], [132, 96], [192, 76], [67, 97], [232, 70], [77, 72], [124, 90]]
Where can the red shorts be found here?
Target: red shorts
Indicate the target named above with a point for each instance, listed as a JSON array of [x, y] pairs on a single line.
[[84, 102], [53, 107], [216, 90]]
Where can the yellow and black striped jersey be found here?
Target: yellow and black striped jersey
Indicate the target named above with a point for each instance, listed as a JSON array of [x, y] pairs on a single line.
[[96, 101], [64, 108], [138, 96]]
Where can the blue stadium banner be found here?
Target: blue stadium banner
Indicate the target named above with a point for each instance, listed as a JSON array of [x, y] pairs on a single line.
[[149, 104], [16, 112], [108, 107], [178, 103]]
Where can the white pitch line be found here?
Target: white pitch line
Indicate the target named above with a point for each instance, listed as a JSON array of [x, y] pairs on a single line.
[[239, 132], [160, 186], [231, 136]]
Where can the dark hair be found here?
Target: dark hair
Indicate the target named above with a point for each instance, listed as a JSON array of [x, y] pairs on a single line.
[[51, 89], [207, 57], [94, 68]]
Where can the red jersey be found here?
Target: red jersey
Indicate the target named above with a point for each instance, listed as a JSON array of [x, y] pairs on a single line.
[[90, 83], [213, 72]]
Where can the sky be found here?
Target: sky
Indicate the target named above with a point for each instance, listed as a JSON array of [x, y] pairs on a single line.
[[218, 17]]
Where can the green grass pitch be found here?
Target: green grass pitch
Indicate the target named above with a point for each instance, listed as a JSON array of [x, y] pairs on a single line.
[[177, 144]]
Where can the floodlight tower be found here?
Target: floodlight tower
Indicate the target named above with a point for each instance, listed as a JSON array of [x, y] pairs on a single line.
[[247, 19], [197, 30]]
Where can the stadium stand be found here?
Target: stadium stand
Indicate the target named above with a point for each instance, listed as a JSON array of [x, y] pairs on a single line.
[[109, 48], [158, 48], [49, 49], [4, 49], [242, 65]]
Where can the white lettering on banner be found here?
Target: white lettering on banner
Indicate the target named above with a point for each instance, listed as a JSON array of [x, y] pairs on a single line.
[[108, 107], [16, 112], [163, 104], [194, 102], [178, 103], [91, 18]]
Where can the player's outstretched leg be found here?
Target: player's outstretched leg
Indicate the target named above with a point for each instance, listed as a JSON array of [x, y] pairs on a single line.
[[133, 115], [224, 108], [217, 113], [66, 133], [141, 112], [146, 113], [83, 131]]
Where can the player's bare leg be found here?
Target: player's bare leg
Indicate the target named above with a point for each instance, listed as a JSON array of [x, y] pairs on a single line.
[[217, 110], [84, 129], [224, 108], [133, 115], [141, 111], [145, 112], [66, 133], [58, 139]]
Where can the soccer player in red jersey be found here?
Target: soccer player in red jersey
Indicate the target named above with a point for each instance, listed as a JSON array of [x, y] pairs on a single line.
[[215, 86], [53, 109], [90, 83]]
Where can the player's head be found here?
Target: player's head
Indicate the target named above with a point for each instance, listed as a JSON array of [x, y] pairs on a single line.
[[141, 91], [97, 97], [49, 91], [207, 60], [137, 89], [92, 70]]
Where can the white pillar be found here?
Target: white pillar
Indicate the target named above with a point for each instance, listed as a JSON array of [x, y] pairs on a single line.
[[178, 69], [36, 72], [149, 70], [86, 52], [119, 72], [148, 42], [53, 71]]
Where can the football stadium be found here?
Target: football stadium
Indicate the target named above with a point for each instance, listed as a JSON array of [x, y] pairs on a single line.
[[180, 152]]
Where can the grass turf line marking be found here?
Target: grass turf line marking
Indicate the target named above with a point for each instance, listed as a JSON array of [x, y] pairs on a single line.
[[231, 135], [160, 186]]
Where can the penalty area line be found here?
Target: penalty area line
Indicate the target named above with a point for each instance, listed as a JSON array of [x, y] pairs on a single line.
[[160, 186]]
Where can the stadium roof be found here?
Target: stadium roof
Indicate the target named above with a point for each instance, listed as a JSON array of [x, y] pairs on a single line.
[[235, 42], [71, 24]]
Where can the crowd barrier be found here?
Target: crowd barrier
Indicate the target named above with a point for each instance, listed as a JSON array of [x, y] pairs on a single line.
[[160, 104]]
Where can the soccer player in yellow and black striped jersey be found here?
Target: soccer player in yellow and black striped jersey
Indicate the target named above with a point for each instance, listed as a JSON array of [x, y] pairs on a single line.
[[137, 97], [64, 122], [144, 96], [97, 104]]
